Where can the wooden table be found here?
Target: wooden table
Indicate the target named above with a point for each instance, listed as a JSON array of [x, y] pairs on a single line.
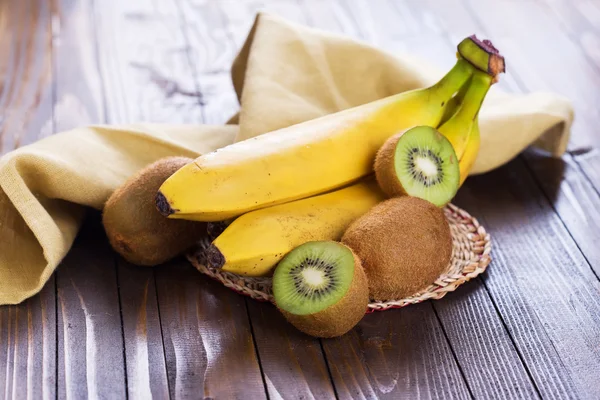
[[101, 328]]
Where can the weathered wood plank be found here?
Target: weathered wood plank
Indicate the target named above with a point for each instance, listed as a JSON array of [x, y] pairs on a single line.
[[564, 68], [330, 15], [238, 18], [483, 348], [396, 354], [144, 352], [91, 360], [292, 363], [91, 348], [143, 58], [541, 284], [211, 52], [580, 19], [573, 197], [27, 330], [79, 93], [26, 72], [207, 337], [28, 347]]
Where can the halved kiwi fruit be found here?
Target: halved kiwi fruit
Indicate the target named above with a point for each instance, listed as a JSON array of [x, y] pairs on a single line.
[[321, 288], [418, 162]]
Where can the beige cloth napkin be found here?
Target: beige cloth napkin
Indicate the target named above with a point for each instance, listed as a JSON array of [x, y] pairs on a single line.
[[284, 74]]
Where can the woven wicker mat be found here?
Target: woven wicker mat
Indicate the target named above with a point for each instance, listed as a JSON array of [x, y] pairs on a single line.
[[470, 257]]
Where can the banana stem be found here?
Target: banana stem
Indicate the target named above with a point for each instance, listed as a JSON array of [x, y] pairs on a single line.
[[478, 88], [458, 127], [462, 93], [454, 79], [454, 103]]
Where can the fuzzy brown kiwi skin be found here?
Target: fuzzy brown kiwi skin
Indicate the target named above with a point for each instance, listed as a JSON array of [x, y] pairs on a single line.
[[136, 229], [385, 169], [342, 316], [404, 243]]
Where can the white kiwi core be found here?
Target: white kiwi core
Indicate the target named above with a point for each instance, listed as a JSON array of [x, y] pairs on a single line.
[[314, 277], [426, 166]]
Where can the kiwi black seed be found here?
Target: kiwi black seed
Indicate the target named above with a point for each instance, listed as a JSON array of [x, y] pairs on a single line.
[[321, 288], [404, 243], [134, 226], [418, 162]]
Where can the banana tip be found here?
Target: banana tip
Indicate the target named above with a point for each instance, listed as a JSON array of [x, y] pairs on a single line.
[[163, 206], [214, 257]]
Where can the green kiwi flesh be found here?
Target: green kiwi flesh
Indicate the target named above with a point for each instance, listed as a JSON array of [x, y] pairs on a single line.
[[404, 244], [136, 229], [321, 288], [419, 162]]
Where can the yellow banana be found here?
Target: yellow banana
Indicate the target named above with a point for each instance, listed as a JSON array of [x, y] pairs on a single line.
[[255, 242], [302, 160], [472, 149]]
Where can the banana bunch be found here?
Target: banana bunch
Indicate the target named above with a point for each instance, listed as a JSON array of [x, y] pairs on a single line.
[[298, 184], [302, 160]]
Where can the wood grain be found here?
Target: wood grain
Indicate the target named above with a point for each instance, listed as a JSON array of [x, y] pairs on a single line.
[[571, 74], [574, 198], [212, 50], [27, 330], [25, 72], [292, 363], [154, 72], [396, 354], [207, 337], [540, 282], [143, 59], [144, 352], [91, 360], [28, 347], [484, 349], [581, 21], [78, 89]]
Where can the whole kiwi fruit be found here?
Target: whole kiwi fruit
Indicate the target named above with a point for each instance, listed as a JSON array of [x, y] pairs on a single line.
[[404, 244], [136, 229], [321, 288]]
